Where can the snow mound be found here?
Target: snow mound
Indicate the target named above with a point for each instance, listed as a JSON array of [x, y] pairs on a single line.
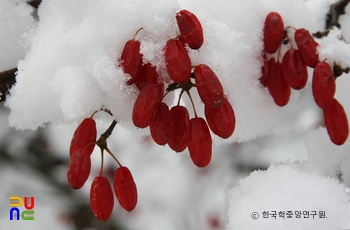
[[284, 188]]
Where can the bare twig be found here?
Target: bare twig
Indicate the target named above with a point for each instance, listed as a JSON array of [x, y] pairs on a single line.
[[332, 19], [7, 79], [34, 3]]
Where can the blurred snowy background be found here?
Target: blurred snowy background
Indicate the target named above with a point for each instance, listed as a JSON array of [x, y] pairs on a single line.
[[66, 54]]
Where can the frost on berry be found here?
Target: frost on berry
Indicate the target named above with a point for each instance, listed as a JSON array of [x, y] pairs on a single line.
[[294, 69], [84, 136], [161, 127], [323, 85], [101, 198], [278, 86], [336, 122], [307, 47], [178, 63], [79, 168], [178, 138], [273, 32], [131, 59], [208, 86], [199, 142], [190, 28], [125, 188], [146, 105], [221, 120], [147, 75]]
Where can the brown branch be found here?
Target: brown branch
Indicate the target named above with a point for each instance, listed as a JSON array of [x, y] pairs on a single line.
[[102, 141], [332, 19], [7, 79], [34, 3], [336, 10]]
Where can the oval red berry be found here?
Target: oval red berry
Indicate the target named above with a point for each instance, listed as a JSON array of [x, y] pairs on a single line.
[[307, 47], [178, 138], [273, 32], [131, 59], [336, 123], [199, 142], [84, 136], [178, 63], [323, 85], [278, 86], [208, 86], [79, 168], [294, 69], [147, 75], [266, 71], [190, 28], [101, 198], [146, 105], [222, 120], [125, 188], [162, 125]]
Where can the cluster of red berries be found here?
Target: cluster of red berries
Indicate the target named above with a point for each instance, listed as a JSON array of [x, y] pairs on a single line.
[[101, 195], [173, 126], [291, 72]]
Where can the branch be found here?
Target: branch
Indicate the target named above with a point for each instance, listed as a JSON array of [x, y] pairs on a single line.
[[336, 10], [34, 3], [332, 19], [7, 79]]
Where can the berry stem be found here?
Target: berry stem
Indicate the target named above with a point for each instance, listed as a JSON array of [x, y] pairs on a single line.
[[291, 27], [165, 95], [94, 113], [112, 155], [101, 162], [102, 109], [137, 32], [194, 108], [182, 91]]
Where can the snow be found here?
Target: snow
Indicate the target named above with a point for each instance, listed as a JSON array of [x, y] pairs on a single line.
[[16, 26], [79, 73], [285, 188], [70, 69]]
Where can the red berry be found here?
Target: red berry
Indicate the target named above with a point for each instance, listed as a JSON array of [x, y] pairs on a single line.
[[209, 86], [199, 142], [101, 198], [273, 32], [84, 136], [146, 105], [323, 85], [147, 75], [190, 28], [221, 120], [294, 69], [79, 168], [277, 85], [336, 123], [265, 71], [180, 118], [161, 127], [307, 47], [125, 188], [131, 59], [178, 63]]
